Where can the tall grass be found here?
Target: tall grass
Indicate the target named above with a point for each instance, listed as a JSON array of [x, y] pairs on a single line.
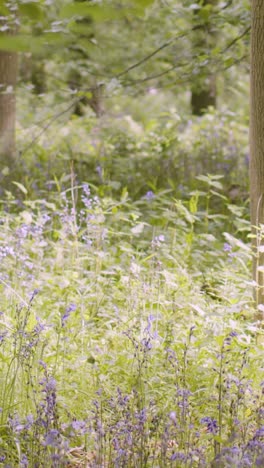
[[127, 332]]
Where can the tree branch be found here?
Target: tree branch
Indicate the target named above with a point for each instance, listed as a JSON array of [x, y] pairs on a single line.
[[234, 41], [48, 125], [148, 57]]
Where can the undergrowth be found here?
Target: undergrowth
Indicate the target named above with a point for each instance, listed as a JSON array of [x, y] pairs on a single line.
[[127, 331]]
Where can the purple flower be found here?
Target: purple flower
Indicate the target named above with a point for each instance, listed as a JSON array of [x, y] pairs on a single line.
[[211, 424], [79, 426], [33, 295], [178, 456], [5, 250], [260, 432], [227, 247], [71, 308], [49, 384], [149, 195], [51, 438], [172, 416], [157, 241], [42, 364], [39, 327], [16, 425], [24, 462], [2, 337], [30, 421], [45, 218], [99, 171]]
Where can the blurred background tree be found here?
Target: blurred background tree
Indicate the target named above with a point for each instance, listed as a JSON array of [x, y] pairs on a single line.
[[130, 69], [8, 79]]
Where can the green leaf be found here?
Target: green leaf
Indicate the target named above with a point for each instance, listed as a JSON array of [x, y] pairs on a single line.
[[96, 12], [19, 43], [205, 12], [81, 29], [31, 9], [21, 187], [4, 10], [143, 3], [24, 43]]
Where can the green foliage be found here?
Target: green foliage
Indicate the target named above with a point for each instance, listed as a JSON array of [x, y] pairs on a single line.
[[127, 326], [129, 297]]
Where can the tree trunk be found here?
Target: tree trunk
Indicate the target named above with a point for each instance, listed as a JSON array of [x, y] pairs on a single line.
[[204, 86], [8, 77], [76, 79], [204, 96], [257, 145], [38, 75]]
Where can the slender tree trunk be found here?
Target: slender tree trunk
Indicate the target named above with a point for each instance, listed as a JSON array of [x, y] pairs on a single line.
[[204, 85], [75, 78], [8, 76], [38, 75], [257, 144], [204, 95]]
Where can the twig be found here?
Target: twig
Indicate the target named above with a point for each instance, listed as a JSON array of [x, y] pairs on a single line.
[[148, 57], [53, 119], [234, 41]]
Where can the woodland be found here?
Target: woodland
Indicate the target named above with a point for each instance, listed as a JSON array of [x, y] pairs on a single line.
[[131, 233]]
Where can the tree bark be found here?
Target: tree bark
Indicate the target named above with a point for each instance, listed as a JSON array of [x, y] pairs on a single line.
[[257, 145], [8, 76], [204, 86]]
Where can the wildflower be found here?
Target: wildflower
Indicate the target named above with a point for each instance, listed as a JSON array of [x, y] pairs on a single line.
[[24, 461], [16, 425], [49, 384], [30, 421], [51, 438], [33, 295], [178, 456], [149, 195], [79, 426], [39, 327], [260, 432], [172, 416], [86, 197], [64, 318], [2, 337], [45, 218], [157, 241], [229, 249], [211, 424], [42, 364], [5, 251], [99, 171]]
